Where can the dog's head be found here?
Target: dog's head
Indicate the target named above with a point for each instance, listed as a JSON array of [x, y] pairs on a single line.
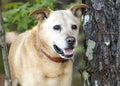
[[60, 28]]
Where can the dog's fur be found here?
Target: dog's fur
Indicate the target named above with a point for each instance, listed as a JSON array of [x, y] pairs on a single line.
[[29, 65]]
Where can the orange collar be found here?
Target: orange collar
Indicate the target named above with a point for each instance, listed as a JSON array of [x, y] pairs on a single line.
[[57, 59]]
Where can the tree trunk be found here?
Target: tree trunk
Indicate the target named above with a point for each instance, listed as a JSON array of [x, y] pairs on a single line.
[[102, 33], [4, 52]]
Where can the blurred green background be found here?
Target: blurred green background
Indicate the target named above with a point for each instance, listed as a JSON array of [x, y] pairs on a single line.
[[16, 18]]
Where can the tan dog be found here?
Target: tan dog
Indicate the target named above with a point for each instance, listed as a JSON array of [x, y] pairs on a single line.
[[41, 56]]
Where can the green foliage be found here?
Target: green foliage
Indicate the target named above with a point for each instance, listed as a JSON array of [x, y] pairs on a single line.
[[82, 64], [16, 16], [80, 48], [72, 4]]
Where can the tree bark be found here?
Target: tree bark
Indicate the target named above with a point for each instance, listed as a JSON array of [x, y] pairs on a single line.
[[4, 51], [102, 33]]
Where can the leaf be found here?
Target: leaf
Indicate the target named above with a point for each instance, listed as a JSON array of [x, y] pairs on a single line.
[[38, 1], [12, 5]]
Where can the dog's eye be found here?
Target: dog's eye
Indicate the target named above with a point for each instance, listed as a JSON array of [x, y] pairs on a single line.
[[74, 27], [57, 27]]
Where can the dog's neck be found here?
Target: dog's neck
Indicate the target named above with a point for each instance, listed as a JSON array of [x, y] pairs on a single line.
[[54, 59]]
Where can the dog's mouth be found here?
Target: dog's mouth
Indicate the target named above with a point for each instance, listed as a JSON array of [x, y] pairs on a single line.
[[66, 53]]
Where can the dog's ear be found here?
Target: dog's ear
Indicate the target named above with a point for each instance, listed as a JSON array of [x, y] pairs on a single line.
[[41, 14], [77, 9]]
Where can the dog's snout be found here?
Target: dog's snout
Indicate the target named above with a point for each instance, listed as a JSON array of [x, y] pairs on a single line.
[[70, 40]]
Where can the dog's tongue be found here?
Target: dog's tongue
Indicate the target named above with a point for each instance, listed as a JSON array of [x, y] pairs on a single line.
[[68, 51]]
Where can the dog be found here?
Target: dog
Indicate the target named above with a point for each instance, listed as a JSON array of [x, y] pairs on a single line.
[[42, 56]]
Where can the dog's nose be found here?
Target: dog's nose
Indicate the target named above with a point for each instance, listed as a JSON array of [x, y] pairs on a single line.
[[70, 40]]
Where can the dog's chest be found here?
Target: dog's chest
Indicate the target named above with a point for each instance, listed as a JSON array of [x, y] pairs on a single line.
[[58, 75], [57, 69]]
